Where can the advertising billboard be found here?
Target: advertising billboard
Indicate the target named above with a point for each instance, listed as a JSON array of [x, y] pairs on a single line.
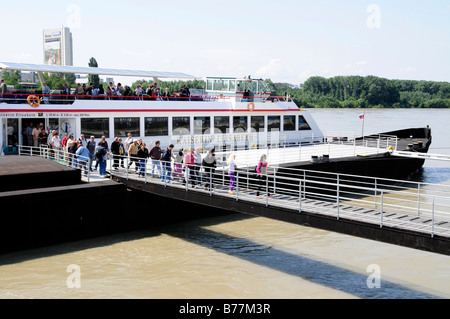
[[52, 51]]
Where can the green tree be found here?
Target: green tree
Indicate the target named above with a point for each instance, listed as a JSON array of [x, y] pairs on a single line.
[[94, 79], [12, 78]]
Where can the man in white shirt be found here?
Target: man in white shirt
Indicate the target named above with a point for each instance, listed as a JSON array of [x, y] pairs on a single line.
[[36, 132], [56, 144]]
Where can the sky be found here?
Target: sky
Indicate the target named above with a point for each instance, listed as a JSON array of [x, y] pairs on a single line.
[[285, 41]]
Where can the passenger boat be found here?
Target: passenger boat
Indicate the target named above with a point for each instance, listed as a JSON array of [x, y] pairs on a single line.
[[230, 115]]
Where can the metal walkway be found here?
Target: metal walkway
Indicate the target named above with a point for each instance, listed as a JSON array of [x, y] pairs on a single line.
[[408, 206]]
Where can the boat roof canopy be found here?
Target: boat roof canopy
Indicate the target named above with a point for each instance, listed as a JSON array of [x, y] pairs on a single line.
[[94, 71]]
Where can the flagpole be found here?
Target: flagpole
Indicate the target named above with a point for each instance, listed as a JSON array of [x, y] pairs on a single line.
[[364, 118]]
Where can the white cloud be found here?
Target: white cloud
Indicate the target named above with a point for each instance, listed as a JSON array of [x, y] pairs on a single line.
[[362, 63]]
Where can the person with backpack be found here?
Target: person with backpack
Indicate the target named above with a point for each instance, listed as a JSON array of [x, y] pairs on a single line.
[[101, 156]]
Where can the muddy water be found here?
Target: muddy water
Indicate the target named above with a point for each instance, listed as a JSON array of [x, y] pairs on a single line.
[[238, 256], [233, 256]]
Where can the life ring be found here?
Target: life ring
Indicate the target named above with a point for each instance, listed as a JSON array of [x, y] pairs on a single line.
[[33, 100], [251, 106]]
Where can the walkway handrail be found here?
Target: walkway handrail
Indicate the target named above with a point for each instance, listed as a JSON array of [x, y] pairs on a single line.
[[387, 197]]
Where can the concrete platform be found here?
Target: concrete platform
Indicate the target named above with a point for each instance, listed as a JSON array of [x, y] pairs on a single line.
[[22, 172]]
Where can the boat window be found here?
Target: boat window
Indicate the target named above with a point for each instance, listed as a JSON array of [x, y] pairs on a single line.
[[221, 124], [273, 123], [254, 86], [240, 86], [263, 87], [302, 124], [181, 126], [125, 125], [156, 126], [220, 85], [289, 123], [96, 127], [257, 123], [201, 125], [209, 85], [240, 124], [232, 85]]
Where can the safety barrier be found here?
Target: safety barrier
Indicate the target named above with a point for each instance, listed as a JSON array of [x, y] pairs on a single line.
[[419, 207]]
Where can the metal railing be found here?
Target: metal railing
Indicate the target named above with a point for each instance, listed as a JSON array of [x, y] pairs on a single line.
[[415, 206], [62, 157], [56, 98]]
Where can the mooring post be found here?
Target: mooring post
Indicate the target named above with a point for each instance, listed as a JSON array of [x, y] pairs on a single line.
[[338, 199], [432, 218], [382, 209]]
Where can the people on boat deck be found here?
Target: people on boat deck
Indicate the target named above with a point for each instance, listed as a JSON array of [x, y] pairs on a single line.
[[3, 90]]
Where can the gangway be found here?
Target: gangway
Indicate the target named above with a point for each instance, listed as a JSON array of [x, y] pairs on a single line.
[[402, 212]]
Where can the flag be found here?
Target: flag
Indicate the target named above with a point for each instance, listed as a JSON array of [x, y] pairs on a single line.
[[361, 117]]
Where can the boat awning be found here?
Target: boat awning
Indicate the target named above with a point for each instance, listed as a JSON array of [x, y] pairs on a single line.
[[94, 71]]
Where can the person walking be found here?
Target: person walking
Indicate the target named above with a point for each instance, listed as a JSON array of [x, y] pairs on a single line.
[[197, 165], [232, 173], [142, 154], [101, 154], [210, 163], [188, 167], [166, 160], [261, 170], [83, 156], [155, 155], [121, 153], [115, 150], [178, 165], [56, 144], [91, 147], [133, 150]]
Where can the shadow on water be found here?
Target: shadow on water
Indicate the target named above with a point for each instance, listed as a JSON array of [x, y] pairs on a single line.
[[318, 272], [306, 268]]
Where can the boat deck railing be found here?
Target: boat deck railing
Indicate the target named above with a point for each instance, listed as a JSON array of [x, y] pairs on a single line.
[[57, 98], [332, 145], [400, 204]]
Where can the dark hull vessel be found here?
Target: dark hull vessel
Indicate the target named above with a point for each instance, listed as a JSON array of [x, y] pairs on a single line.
[[384, 165]]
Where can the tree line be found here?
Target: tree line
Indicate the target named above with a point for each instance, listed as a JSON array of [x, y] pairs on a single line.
[[365, 92]]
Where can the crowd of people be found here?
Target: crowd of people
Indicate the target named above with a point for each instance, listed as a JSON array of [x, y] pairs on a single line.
[[184, 166], [112, 92]]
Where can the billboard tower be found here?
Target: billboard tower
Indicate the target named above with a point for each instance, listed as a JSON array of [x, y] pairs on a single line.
[[58, 49]]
